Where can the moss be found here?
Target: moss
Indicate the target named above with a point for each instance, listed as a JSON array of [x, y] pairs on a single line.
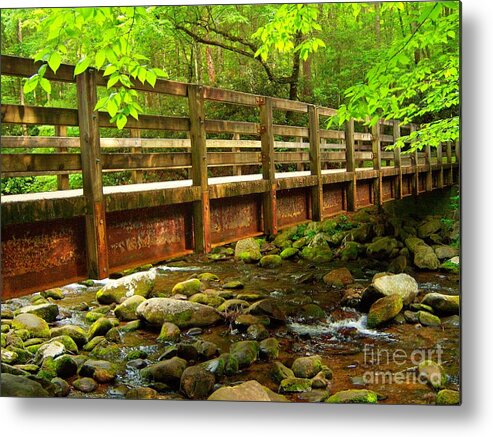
[[188, 288], [270, 261], [92, 316], [448, 397], [295, 385], [68, 342], [233, 285], [48, 369], [450, 267], [249, 257], [288, 253], [383, 310], [317, 254], [353, 397]]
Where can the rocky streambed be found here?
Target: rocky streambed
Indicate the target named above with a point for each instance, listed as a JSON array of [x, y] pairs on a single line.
[[363, 308]]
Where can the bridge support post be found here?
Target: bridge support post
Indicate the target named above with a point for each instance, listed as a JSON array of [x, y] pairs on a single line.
[[450, 176], [350, 165], [62, 179], [440, 163], [201, 207], [429, 171], [377, 163], [397, 161], [92, 177], [268, 166], [136, 175], [415, 162], [315, 164]]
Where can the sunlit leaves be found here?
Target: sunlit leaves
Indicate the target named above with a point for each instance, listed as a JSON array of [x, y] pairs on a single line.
[[82, 65], [54, 61]]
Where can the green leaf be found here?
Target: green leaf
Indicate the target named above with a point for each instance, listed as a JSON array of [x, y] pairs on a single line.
[[159, 72], [54, 61], [113, 80], [112, 107], [99, 59], [31, 84], [133, 112], [110, 69], [45, 84], [151, 77], [82, 65], [121, 121]]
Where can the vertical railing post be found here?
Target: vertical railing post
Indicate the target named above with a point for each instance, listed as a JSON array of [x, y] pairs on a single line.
[[376, 149], [429, 171], [92, 177], [440, 164], [268, 166], [62, 179], [450, 176], [415, 161], [201, 207], [136, 175], [236, 168], [300, 166], [315, 163], [350, 164], [397, 160]]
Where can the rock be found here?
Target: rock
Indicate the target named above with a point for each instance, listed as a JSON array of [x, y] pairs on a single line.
[[184, 314], [21, 387], [102, 371], [445, 252], [35, 325], [257, 332], [247, 391], [307, 367], [427, 319], [362, 233], [401, 285], [269, 349], [207, 299], [245, 352], [353, 397], [131, 326], [383, 248], [61, 387], [167, 371], [92, 316], [47, 311], [248, 319], [452, 265], [320, 380], [432, 373], [352, 296], [233, 305], [338, 277], [141, 393], [270, 261], [53, 293], [8, 356], [398, 265], [141, 283], [76, 333], [317, 255], [233, 285], [411, 316], [138, 363], [350, 251], [90, 345], [295, 385], [267, 307], [52, 349], [85, 385], [280, 371], [208, 277], [442, 303], [169, 332], [384, 309], [248, 250], [187, 288], [197, 383], [99, 327], [289, 253], [451, 322], [65, 366], [113, 335], [313, 396], [429, 227], [126, 310], [448, 397], [425, 258]]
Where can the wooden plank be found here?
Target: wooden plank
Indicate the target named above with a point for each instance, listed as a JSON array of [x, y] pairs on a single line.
[[317, 201], [332, 134], [236, 168], [8, 142], [92, 176], [201, 208], [326, 112], [229, 96], [397, 161], [290, 131], [232, 127], [136, 176], [39, 163], [350, 164], [376, 148], [62, 179], [289, 105], [269, 199], [126, 161]]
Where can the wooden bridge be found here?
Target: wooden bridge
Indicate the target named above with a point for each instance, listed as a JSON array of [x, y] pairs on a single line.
[[300, 173]]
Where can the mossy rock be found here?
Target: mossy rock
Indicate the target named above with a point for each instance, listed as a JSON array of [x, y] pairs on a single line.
[[338, 277], [187, 288], [65, 366], [169, 332], [307, 367], [270, 261], [208, 277], [36, 326], [280, 371], [269, 349], [68, 342], [21, 386], [233, 285], [288, 253], [448, 397], [251, 391], [353, 397], [85, 385], [351, 251], [442, 303], [76, 333], [233, 305], [249, 257], [382, 248], [427, 319], [9, 356], [384, 309], [53, 293], [295, 385], [92, 316], [317, 255], [450, 266], [245, 320], [99, 327], [257, 332], [431, 372], [246, 352], [91, 344], [207, 299], [126, 310], [298, 244], [248, 250], [141, 283]]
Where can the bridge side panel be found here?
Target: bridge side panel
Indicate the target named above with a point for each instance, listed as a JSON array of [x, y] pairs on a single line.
[[147, 235], [364, 193], [234, 218], [41, 255], [335, 201], [387, 189], [293, 206]]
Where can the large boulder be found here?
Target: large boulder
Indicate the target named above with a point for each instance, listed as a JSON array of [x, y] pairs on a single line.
[[402, 285], [429, 227], [442, 303], [20, 386], [383, 310], [383, 248], [248, 250], [307, 367], [424, 255], [141, 283], [267, 307], [197, 382], [167, 371], [318, 250], [445, 252], [338, 277], [248, 391], [35, 325], [184, 314], [76, 333], [47, 311], [99, 327], [245, 352], [126, 310]]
